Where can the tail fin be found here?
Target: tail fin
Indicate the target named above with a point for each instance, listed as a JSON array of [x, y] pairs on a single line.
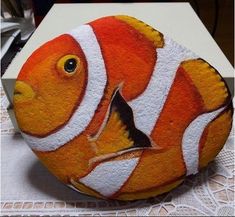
[[215, 95]]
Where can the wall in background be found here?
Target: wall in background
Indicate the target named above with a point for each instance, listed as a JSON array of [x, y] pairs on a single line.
[[217, 16], [223, 25]]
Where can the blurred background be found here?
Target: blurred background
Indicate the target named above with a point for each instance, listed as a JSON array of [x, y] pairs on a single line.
[[19, 18]]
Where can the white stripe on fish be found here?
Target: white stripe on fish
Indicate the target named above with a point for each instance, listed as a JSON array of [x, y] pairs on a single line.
[[191, 140], [108, 177], [148, 106]]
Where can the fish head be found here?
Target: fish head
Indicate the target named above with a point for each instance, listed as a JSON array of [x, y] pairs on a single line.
[[50, 86]]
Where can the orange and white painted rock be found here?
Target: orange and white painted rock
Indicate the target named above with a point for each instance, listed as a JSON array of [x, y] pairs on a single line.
[[116, 110]]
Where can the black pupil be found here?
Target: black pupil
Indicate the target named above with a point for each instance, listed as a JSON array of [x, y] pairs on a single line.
[[70, 65]]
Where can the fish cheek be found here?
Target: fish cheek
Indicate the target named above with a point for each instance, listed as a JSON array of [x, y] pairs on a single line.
[[56, 100]]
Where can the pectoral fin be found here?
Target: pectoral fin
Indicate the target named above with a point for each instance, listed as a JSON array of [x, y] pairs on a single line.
[[119, 132]]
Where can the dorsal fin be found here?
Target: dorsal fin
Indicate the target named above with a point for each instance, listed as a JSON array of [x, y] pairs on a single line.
[[152, 34]]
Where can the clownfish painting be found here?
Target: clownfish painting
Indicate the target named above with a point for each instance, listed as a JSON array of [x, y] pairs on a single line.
[[115, 109]]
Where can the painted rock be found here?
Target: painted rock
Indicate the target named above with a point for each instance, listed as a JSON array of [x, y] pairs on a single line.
[[115, 109]]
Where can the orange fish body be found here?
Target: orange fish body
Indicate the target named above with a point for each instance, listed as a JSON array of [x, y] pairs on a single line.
[[115, 109]]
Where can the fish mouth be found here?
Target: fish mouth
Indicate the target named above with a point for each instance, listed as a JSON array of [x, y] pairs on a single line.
[[120, 106], [23, 92]]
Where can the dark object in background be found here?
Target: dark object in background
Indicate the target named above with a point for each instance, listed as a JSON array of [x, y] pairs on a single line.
[[15, 47], [41, 7], [13, 7], [17, 25]]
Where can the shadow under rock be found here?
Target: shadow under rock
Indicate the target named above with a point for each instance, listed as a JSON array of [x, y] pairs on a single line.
[[45, 182], [203, 175], [193, 181], [41, 179]]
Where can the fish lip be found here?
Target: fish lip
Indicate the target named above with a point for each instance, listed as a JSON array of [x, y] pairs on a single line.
[[23, 92]]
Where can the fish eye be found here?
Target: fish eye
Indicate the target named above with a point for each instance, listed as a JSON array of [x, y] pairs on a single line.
[[69, 65]]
